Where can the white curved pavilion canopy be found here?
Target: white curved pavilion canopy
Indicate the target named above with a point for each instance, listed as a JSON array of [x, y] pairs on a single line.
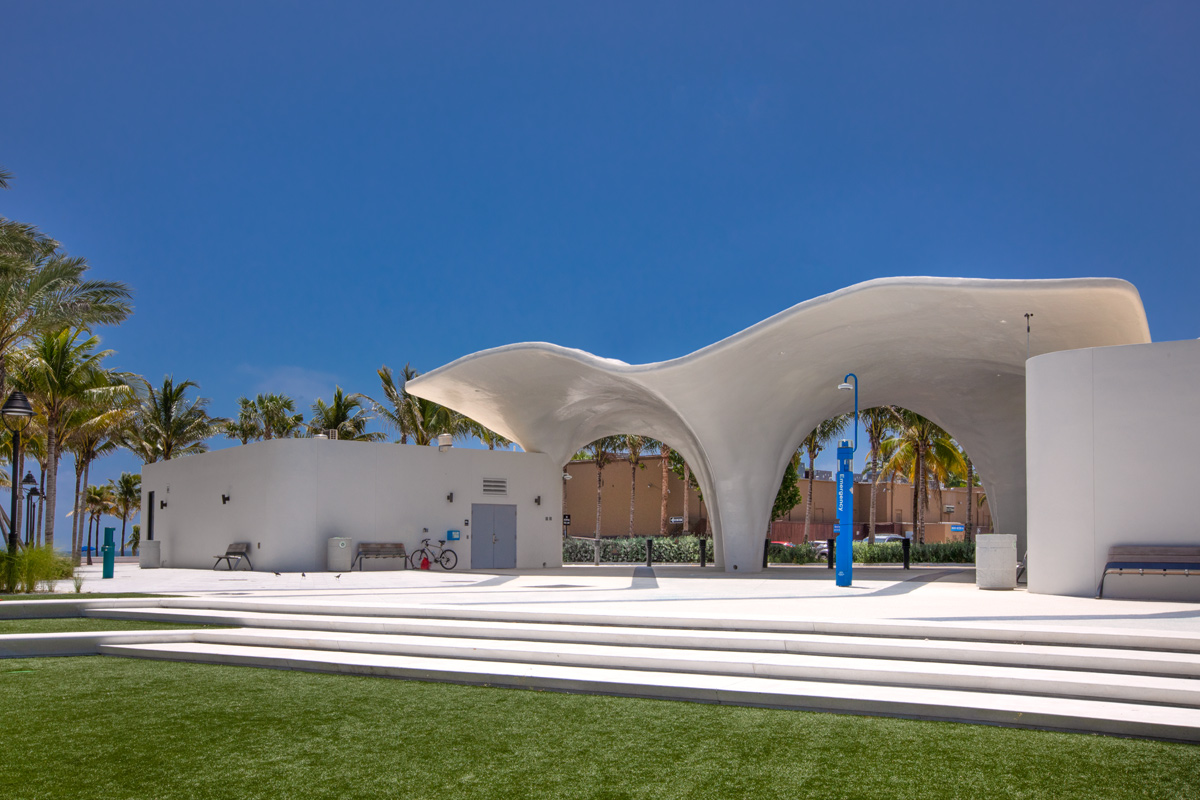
[[951, 349]]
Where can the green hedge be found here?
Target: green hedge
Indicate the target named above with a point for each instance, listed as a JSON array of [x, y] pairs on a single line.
[[626, 550], [686, 550], [33, 569], [893, 553]]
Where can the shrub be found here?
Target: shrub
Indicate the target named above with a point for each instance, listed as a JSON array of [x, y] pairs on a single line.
[[632, 550], [34, 569], [893, 553], [804, 553]]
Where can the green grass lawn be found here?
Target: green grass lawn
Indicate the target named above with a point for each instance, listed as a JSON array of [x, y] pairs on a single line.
[[120, 728], [87, 624]]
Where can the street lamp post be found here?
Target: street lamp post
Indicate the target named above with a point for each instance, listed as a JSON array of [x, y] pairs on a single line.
[[844, 555], [30, 486], [16, 412]]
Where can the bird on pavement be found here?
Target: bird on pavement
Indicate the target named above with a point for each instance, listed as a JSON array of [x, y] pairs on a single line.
[[337, 577], [277, 574], [302, 575]]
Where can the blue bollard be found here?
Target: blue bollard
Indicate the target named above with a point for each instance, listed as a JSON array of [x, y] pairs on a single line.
[[110, 552]]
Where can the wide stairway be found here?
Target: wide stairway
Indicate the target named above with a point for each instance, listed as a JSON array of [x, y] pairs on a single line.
[[1127, 683]]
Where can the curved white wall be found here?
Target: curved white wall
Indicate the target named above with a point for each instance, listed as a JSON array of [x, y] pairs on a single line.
[[1111, 444]]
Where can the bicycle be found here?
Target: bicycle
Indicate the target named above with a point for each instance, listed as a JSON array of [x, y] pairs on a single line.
[[436, 553]]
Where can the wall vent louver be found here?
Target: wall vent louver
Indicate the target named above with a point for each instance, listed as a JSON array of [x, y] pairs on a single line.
[[495, 486]]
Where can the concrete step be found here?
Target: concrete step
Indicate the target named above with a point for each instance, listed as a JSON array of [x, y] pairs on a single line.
[[1074, 658], [790, 666], [1054, 635], [995, 707]]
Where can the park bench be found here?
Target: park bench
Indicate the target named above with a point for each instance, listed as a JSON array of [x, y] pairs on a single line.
[[379, 550], [1151, 559], [234, 555]]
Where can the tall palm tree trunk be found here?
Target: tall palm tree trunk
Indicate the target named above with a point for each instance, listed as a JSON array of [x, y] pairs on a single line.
[[666, 477], [632, 491], [40, 504], [970, 530], [874, 495], [91, 523], [76, 522], [51, 489], [124, 520], [808, 501], [599, 489], [687, 485]]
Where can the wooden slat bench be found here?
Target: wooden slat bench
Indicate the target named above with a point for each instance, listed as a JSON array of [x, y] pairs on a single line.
[[234, 555], [1151, 559], [379, 550]]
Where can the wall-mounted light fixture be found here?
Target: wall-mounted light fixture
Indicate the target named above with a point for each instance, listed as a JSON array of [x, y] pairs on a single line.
[[537, 501], [224, 499], [162, 503], [450, 497]]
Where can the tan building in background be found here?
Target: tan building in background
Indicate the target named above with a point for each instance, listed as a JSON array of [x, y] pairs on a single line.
[[944, 520]]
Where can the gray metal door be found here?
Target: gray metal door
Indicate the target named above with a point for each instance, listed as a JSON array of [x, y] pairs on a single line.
[[504, 552], [482, 527], [493, 536]]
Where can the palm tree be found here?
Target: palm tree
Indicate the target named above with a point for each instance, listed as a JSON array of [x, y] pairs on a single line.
[[636, 446], [98, 501], [813, 444], [877, 422], [247, 427], [93, 437], [277, 414], [489, 436], [61, 372], [5, 177], [920, 449], [127, 499], [423, 420], [345, 414], [398, 413], [168, 424], [602, 451], [43, 289]]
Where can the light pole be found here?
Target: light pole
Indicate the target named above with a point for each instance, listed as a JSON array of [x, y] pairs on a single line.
[[844, 555], [16, 412], [30, 486]]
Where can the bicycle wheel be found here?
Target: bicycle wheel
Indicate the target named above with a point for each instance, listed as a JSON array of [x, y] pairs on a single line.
[[448, 559], [415, 558]]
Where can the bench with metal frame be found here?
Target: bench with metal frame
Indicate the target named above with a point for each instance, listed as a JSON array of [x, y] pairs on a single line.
[[379, 550], [1158, 559], [234, 555]]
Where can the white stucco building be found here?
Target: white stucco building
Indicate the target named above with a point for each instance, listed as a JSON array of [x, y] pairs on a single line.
[[288, 497]]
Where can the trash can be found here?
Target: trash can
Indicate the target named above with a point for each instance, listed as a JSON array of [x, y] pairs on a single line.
[[339, 555], [150, 555], [996, 561]]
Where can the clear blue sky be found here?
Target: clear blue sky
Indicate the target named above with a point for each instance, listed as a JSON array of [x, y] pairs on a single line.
[[301, 192]]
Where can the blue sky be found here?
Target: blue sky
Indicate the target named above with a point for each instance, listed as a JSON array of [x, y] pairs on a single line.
[[300, 192]]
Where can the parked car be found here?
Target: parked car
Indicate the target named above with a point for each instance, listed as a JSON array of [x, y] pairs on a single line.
[[882, 538]]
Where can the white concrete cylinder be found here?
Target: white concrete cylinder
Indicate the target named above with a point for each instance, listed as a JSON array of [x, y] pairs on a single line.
[[339, 554], [150, 555], [996, 561]]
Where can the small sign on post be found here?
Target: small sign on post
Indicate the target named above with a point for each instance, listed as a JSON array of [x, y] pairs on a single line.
[[566, 520]]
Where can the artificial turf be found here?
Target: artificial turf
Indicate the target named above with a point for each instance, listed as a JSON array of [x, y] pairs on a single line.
[[102, 727], [87, 624]]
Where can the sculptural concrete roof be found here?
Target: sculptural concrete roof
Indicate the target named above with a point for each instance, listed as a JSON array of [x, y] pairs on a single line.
[[951, 349]]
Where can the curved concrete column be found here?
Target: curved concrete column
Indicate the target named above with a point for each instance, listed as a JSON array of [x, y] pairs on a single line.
[[952, 349]]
